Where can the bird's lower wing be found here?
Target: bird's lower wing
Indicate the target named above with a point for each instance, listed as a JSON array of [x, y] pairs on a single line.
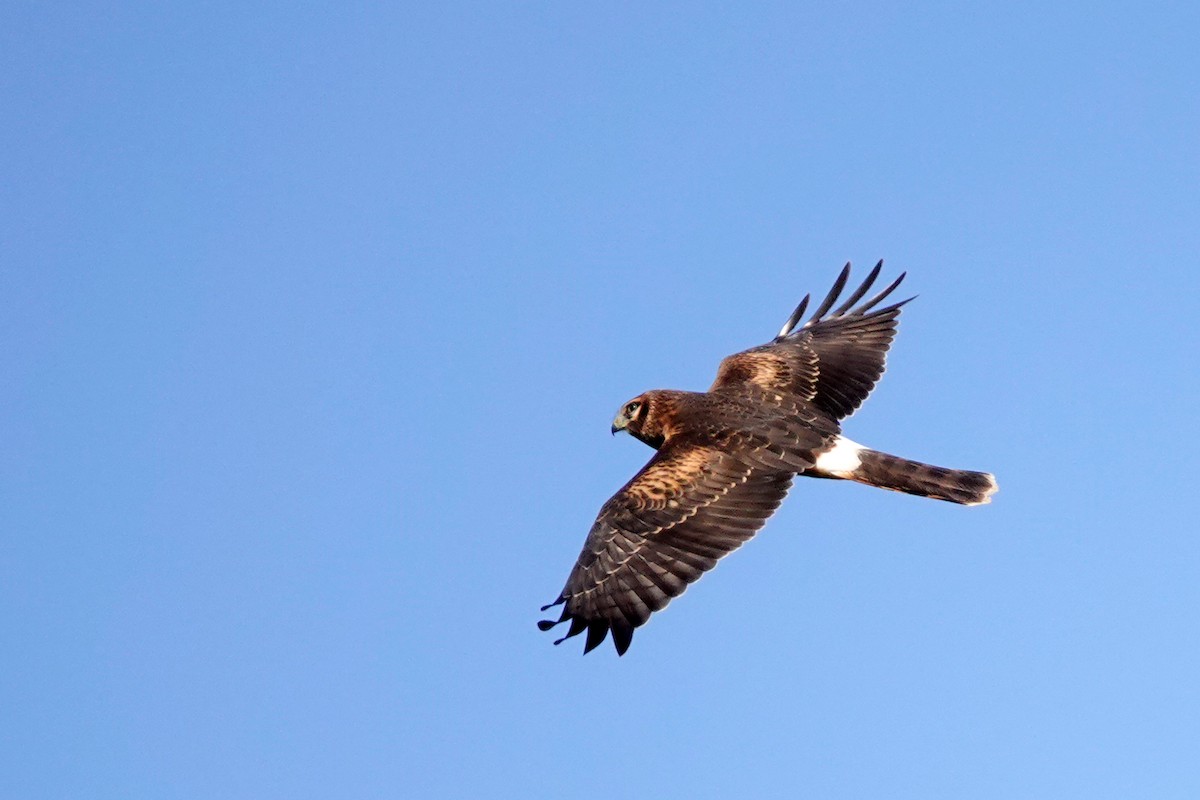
[[686, 509]]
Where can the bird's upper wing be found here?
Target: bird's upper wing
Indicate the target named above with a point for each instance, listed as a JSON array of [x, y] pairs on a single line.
[[688, 507], [831, 361]]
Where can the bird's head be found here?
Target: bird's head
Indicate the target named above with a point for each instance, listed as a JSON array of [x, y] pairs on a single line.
[[641, 419]]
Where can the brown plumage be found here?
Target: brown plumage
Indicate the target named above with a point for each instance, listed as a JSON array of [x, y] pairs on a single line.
[[726, 457]]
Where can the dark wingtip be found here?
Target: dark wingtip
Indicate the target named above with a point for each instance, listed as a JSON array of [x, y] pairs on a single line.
[[794, 319], [597, 630], [577, 626], [622, 637], [546, 624], [857, 294], [557, 602], [877, 299], [832, 297]]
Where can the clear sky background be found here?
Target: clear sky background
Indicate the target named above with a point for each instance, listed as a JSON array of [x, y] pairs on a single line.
[[315, 318]]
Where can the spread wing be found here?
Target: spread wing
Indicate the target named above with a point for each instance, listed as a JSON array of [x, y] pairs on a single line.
[[688, 507], [831, 361]]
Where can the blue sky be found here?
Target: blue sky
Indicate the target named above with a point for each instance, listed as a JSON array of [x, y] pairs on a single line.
[[315, 320]]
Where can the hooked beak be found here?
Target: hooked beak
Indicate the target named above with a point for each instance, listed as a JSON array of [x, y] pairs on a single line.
[[619, 424]]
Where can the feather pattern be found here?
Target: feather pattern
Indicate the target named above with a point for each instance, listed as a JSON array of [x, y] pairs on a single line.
[[697, 500], [831, 361], [726, 458]]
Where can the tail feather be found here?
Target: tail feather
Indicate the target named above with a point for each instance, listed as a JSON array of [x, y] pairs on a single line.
[[912, 477], [852, 461]]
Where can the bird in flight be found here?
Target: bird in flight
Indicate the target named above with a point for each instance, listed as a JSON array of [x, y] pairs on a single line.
[[726, 457]]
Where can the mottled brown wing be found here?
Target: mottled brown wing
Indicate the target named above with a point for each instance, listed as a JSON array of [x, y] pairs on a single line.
[[831, 361], [689, 506]]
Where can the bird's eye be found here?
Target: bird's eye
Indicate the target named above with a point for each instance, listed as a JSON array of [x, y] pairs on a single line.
[[632, 409]]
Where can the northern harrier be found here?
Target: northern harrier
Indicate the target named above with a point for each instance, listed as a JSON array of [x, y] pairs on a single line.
[[726, 458]]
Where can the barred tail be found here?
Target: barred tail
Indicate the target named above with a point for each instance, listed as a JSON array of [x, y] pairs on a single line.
[[956, 485], [854, 462]]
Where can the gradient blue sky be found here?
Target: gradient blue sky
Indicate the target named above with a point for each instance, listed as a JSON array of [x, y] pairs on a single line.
[[315, 319]]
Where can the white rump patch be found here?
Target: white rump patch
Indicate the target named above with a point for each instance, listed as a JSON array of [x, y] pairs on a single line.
[[841, 460]]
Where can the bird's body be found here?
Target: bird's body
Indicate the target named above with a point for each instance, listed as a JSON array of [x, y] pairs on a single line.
[[716, 417], [726, 457]]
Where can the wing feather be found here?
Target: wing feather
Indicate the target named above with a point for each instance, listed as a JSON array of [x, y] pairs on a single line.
[[860, 291], [689, 507], [830, 361], [832, 297]]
